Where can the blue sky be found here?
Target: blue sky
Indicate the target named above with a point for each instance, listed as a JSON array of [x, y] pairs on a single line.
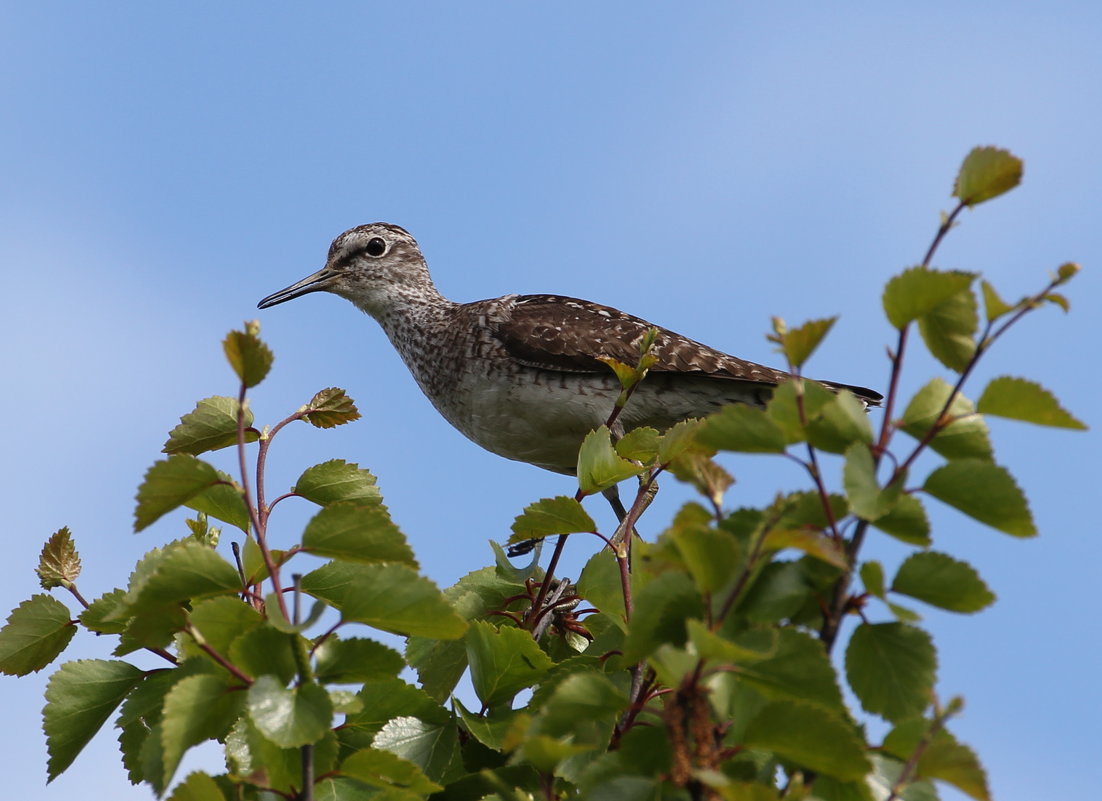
[[705, 166]]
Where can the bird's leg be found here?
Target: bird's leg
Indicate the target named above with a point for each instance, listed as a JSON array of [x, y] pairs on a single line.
[[648, 488]]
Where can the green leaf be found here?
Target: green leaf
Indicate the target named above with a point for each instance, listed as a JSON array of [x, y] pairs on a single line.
[[599, 584], [839, 423], [503, 662], [384, 769], [184, 571], [37, 631], [267, 650], [942, 581], [250, 756], [289, 717], [79, 698], [337, 480], [906, 521], [741, 428], [964, 438], [679, 439], [778, 592], [583, 708], [711, 556], [170, 483], [198, 786], [197, 708], [59, 562], [872, 576], [986, 173], [1020, 399], [891, 668], [797, 669], [599, 467], [798, 344], [249, 357], [639, 444], [221, 620], [917, 291], [942, 758], [357, 531], [224, 501], [811, 737], [211, 425], [330, 407], [433, 747], [101, 617], [984, 491], [559, 515], [866, 499], [993, 305], [391, 597], [949, 330], [355, 660], [661, 608]]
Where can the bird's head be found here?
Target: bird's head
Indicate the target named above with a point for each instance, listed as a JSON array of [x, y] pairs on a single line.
[[376, 266]]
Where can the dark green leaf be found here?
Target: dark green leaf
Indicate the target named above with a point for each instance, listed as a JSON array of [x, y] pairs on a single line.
[[267, 650], [963, 438], [337, 480], [1020, 399], [986, 173], [891, 668], [559, 515], [984, 491], [355, 660], [599, 584], [357, 531], [583, 707], [196, 709], [59, 562], [778, 592], [211, 425], [710, 555], [249, 357], [797, 669], [741, 428], [917, 291], [949, 330], [811, 737], [661, 608], [503, 662], [330, 407], [170, 483], [866, 499], [250, 755], [799, 343], [433, 747], [384, 769], [906, 521], [79, 698], [391, 597], [942, 581], [290, 717], [599, 467], [37, 631]]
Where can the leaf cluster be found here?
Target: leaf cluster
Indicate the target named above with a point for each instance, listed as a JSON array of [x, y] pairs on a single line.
[[710, 663]]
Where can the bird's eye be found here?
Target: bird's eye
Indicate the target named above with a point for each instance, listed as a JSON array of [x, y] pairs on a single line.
[[375, 247]]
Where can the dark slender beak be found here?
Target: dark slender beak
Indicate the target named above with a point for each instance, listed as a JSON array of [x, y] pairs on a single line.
[[318, 282]]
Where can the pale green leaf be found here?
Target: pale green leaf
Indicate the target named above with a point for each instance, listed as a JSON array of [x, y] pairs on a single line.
[[986, 173], [559, 515], [337, 480], [866, 498], [942, 581], [965, 437], [503, 662], [809, 736], [249, 357], [994, 306], [211, 425], [289, 717], [917, 291], [599, 466], [906, 521], [1020, 399], [741, 428], [357, 531], [949, 330]]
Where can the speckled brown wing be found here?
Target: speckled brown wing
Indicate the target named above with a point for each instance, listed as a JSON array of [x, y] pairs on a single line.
[[561, 333], [554, 332]]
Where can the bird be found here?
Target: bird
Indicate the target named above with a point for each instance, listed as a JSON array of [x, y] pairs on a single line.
[[522, 375]]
